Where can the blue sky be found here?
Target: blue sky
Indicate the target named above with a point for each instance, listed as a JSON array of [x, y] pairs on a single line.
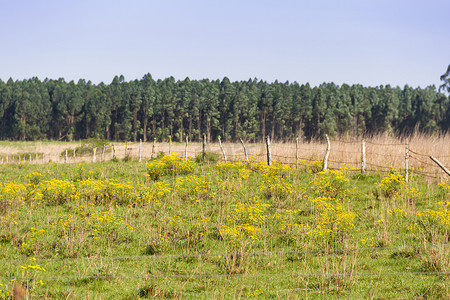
[[342, 41]]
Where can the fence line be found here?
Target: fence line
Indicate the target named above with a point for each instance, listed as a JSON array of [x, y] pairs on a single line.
[[279, 151]]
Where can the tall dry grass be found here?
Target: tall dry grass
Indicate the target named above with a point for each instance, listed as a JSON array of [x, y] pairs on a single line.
[[382, 152]]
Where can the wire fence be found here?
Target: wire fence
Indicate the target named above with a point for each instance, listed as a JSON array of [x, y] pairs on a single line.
[[381, 157]]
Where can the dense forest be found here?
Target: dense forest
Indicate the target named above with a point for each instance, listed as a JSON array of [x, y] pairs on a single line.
[[145, 109]]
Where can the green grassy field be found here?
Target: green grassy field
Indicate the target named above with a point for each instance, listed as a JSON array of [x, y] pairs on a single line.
[[172, 228]]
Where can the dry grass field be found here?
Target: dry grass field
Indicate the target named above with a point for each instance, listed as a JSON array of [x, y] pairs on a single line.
[[382, 152]]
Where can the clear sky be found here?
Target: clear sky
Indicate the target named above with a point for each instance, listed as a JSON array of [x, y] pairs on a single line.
[[342, 41]]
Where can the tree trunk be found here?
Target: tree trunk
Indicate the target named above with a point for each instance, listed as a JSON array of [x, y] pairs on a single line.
[[135, 117], [108, 134], [144, 125], [190, 128], [199, 126], [208, 129], [263, 129], [181, 128]]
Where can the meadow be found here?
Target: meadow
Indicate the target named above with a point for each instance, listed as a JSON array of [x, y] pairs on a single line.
[[168, 227]]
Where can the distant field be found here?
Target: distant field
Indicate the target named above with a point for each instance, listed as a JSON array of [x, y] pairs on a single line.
[[174, 228]]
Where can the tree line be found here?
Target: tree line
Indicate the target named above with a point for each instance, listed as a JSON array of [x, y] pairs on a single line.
[[144, 109]]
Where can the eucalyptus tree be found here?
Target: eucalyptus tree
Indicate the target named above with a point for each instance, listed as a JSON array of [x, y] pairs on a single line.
[[210, 108], [147, 104], [5, 107], [265, 105], [227, 92], [96, 115], [31, 110], [445, 78]]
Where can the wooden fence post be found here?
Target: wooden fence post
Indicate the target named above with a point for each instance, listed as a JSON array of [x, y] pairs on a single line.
[[114, 151], [296, 153], [170, 144], [327, 154], [186, 148], [65, 158], [245, 149], [204, 148], [140, 150], [94, 155], [153, 148], [363, 156], [7, 159], [223, 151], [440, 165], [406, 162], [126, 148], [103, 152], [269, 155]]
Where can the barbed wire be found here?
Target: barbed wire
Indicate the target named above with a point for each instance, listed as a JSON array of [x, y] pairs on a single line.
[[384, 154], [380, 167], [414, 152], [387, 144], [346, 152], [346, 142]]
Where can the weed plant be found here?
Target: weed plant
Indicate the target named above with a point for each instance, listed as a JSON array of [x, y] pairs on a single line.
[[172, 228]]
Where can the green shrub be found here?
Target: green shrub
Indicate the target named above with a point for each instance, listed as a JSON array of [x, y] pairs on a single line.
[[169, 165], [87, 147], [209, 157]]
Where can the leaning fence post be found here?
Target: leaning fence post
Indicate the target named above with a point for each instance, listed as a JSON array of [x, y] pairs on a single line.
[[296, 153], [269, 155], [94, 156], [440, 165], [186, 148], [204, 148], [153, 147], [245, 149], [140, 149], [327, 154], [406, 160], [223, 151], [363, 156]]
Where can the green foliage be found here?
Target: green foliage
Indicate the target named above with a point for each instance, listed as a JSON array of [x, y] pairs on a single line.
[[87, 148], [169, 165], [146, 109], [210, 157]]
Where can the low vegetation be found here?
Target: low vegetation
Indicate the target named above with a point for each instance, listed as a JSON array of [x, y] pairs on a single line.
[[173, 227]]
